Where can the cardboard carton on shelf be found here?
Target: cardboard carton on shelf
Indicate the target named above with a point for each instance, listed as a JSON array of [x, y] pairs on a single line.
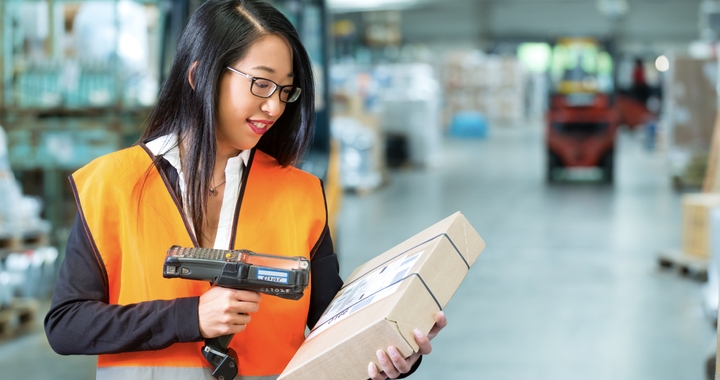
[[385, 299], [696, 211]]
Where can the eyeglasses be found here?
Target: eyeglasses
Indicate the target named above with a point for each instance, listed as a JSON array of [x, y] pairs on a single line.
[[265, 88]]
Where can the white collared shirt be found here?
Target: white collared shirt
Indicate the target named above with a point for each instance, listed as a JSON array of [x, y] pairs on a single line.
[[168, 147]]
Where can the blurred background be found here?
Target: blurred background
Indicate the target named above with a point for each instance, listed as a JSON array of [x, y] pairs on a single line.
[[579, 137]]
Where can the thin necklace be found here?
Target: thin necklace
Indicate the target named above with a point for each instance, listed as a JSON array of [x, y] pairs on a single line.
[[212, 189]]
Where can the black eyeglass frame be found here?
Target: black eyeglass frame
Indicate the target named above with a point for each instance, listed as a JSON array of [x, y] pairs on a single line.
[[277, 86]]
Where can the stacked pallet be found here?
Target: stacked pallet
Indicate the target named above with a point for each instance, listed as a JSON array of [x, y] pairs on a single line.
[[23, 239], [18, 317], [700, 220]]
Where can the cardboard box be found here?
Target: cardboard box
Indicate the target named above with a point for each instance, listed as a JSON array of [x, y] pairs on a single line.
[[696, 210], [691, 94], [385, 299]]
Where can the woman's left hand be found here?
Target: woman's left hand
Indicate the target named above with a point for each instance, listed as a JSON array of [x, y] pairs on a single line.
[[393, 364]]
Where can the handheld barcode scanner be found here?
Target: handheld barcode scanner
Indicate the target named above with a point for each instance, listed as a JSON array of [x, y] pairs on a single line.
[[285, 277]]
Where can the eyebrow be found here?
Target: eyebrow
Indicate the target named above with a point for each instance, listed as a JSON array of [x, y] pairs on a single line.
[[271, 71]]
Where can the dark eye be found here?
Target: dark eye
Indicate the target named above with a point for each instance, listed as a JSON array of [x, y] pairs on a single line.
[[263, 83], [287, 90]]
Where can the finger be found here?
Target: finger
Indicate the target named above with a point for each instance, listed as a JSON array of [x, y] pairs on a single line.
[[398, 360], [440, 323], [423, 342], [386, 365], [246, 295], [412, 359], [238, 323], [373, 372], [241, 319], [231, 320], [235, 329], [440, 319], [224, 328], [244, 307]]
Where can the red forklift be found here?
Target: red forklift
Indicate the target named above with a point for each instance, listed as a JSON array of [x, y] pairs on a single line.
[[581, 122]]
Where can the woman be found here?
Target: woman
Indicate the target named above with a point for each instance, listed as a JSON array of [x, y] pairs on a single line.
[[213, 169]]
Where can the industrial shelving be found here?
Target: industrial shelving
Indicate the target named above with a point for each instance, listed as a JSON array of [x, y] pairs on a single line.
[[64, 102]]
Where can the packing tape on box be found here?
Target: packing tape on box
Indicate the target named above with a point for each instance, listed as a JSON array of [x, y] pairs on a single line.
[[408, 250], [375, 285]]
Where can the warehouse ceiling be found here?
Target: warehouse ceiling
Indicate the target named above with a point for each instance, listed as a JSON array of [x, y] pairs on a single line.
[[609, 6], [628, 22]]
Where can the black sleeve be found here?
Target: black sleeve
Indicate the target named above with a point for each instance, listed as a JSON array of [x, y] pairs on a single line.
[[325, 278], [80, 320]]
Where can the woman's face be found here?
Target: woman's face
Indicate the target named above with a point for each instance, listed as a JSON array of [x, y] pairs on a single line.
[[243, 117]]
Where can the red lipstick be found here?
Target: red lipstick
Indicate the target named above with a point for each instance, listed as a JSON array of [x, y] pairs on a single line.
[[259, 130]]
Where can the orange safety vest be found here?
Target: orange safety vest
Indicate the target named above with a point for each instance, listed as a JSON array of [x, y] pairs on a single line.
[[133, 218]]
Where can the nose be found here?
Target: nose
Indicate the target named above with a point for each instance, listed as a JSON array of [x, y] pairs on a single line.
[[272, 106]]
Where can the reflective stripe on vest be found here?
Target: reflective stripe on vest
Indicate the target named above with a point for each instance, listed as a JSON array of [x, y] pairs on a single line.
[[281, 211], [164, 373]]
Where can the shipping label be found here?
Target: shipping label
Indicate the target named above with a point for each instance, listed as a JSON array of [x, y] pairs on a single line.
[[366, 291]]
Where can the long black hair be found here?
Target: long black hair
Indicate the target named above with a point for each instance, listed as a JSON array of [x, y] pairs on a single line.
[[217, 35]]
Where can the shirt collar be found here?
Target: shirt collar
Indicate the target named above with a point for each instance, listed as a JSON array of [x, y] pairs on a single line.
[[167, 146], [245, 156]]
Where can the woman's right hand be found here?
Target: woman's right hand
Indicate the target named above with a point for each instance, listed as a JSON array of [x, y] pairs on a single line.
[[223, 311]]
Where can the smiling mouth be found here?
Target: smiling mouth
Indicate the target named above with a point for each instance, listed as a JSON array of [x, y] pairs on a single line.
[[259, 127]]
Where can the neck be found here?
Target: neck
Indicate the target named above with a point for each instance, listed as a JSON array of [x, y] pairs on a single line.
[[225, 152], [221, 159]]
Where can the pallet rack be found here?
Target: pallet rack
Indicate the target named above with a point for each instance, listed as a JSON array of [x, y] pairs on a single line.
[[61, 110]]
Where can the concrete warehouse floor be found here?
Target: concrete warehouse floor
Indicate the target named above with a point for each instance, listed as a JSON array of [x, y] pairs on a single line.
[[568, 287]]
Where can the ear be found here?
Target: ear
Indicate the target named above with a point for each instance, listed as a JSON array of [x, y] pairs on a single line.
[[191, 74]]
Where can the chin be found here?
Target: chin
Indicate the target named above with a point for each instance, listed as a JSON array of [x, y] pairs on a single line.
[[246, 145]]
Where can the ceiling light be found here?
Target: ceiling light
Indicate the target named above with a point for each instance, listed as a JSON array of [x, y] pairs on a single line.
[[366, 5], [613, 9]]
